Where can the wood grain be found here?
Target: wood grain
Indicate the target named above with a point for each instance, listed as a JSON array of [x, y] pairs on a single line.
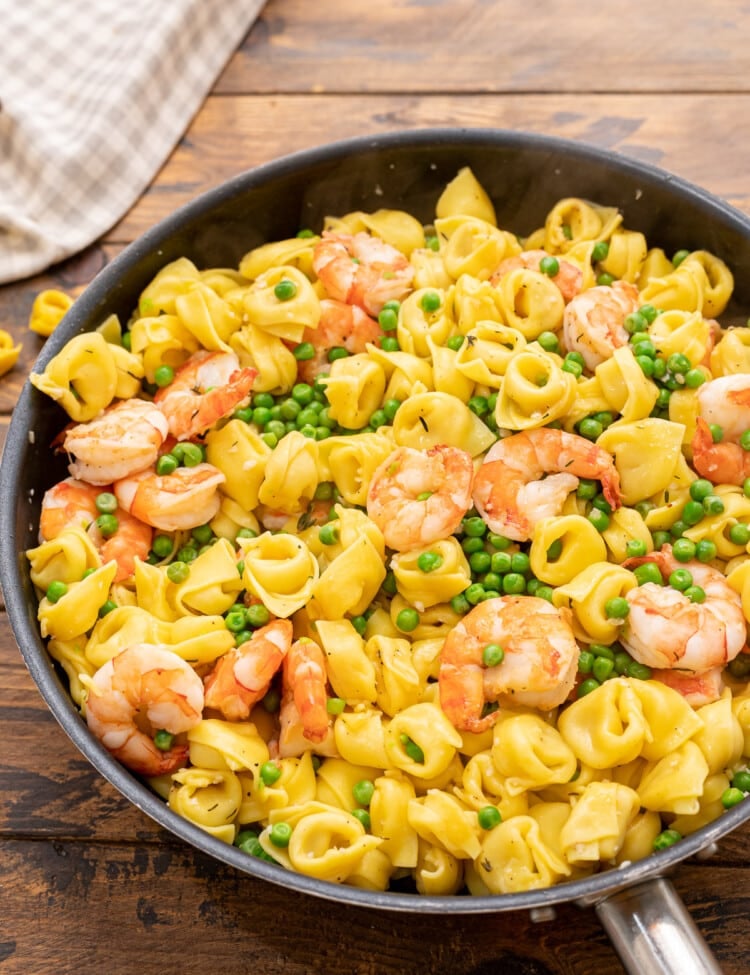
[[492, 46], [233, 134]]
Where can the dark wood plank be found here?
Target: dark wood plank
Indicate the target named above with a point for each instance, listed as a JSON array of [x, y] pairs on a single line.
[[233, 134], [492, 46], [187, 914]]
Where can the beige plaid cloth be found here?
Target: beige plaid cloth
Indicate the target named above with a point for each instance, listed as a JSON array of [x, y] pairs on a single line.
[[94, 95]]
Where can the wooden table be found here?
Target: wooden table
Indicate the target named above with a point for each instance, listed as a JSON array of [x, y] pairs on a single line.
[[89, 882]]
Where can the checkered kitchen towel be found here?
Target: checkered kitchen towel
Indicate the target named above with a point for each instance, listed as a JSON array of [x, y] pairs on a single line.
[[94, 95]]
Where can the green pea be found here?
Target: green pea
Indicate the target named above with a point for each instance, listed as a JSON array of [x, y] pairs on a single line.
[[678, 529], [587, 489], [587, 686], [602, 668], [460, 604], [492, 655], [622, 661], [635, 323], [739, 534], [678, 363], [270, 773], [638, 670], [635, 548], [696, 594], [499, 542], [106, 608], [455, 342], [407, 620], [667, 838], [335, 705], [602, 650], [520, 562], [514, 583], [700, 489], [549, 342], [679, 256], [660, 539], [390, 408], [285, 290], [163, 740], [545, 592], [731, 797], [163, 376], [411, 748], [430, 302], [106, 503], [245, 839], [555, 550], [363, 791], [572, 367], [305, 233], [475, 527], [478, 405], [429, 561], [693, 512], [363, 816], [480, 561], [649, 312], [648, 572], [600, 251], [388, 319], [683, 549], [741, 780], [192, 454], [389, 344], [549, 266], [500, 563], [235, 622], [705, 550], [473, 595], [717, 432], [585, 661], [590, 428], [271, 701], [328, 534], [713, 505], [694, 378], [599, 519], [107, 524], [178, 572], [605, 280], [617, 608], [489, 817]]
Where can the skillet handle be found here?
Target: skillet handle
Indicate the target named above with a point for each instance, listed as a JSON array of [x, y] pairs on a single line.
[[653, 933]]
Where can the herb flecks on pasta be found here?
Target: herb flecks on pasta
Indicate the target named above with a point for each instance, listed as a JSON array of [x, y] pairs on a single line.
[[416, 550]]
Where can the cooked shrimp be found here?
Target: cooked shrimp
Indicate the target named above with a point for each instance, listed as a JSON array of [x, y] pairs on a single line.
[[361, 270], [509, 491], [144, 689], [340, 325], [417, 497], [593, 321], [172, 502], [122, 440], [72, 502], [242, 676], [667, 631], [568, 279], [304, 697], [724, 401], [538, 669], [697, 689], [205, 388]]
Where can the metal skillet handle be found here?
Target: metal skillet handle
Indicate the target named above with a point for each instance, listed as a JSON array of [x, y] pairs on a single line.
[[653, 933]]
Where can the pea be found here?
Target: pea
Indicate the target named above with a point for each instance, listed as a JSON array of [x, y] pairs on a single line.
[[429, 561], [555, 550], [335, 705], [106, 503], [605, 280], [106, 608], [107, 525], [683, 549], [475, 527], [617, 608], [388, 319], [513, 583], [587, 686], [660, 539], [622, 661], [678, 363], [572, 367], [245, 839], [678, 529], [696, 594], [162, 546], [192, 454], [499, 542], [480, 561], [460, 604], [741, 780], [550, 266], [587, 489], [363, 791], [599, 519], [478, 405], [271, 701], [520, 562], [600, 251], [590, 428], [649, 312], [285, 290], [455, 342], [163, 376], [648, 572], [363, 816], [585, 661], [270, 773], [705, 550], [693, 512], [389, 344], [601, 650], [473, 595], [638, 670], [694, 378], [602, 668], [731, 797], [407, 620], [411, 748], [430, 302], [545, 592], [717, 432], [489, 817], [492, 655], [390, 408], [635, 322], [667, 838], [679, 256], [713, 505], [548, 341], [163, 740], [635, 548], [178, 572]]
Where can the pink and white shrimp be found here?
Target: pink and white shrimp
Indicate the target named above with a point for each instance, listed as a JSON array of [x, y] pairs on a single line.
[[511, 491], [72, 502], [538, 668], [594, 321], [725, 402], [304, 698], [206, 388], [363, 270], [665, 630], [184, 499], [144, 689], [122, 440], [340, 325], [569, 278], [417, 497], [241, 677]]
